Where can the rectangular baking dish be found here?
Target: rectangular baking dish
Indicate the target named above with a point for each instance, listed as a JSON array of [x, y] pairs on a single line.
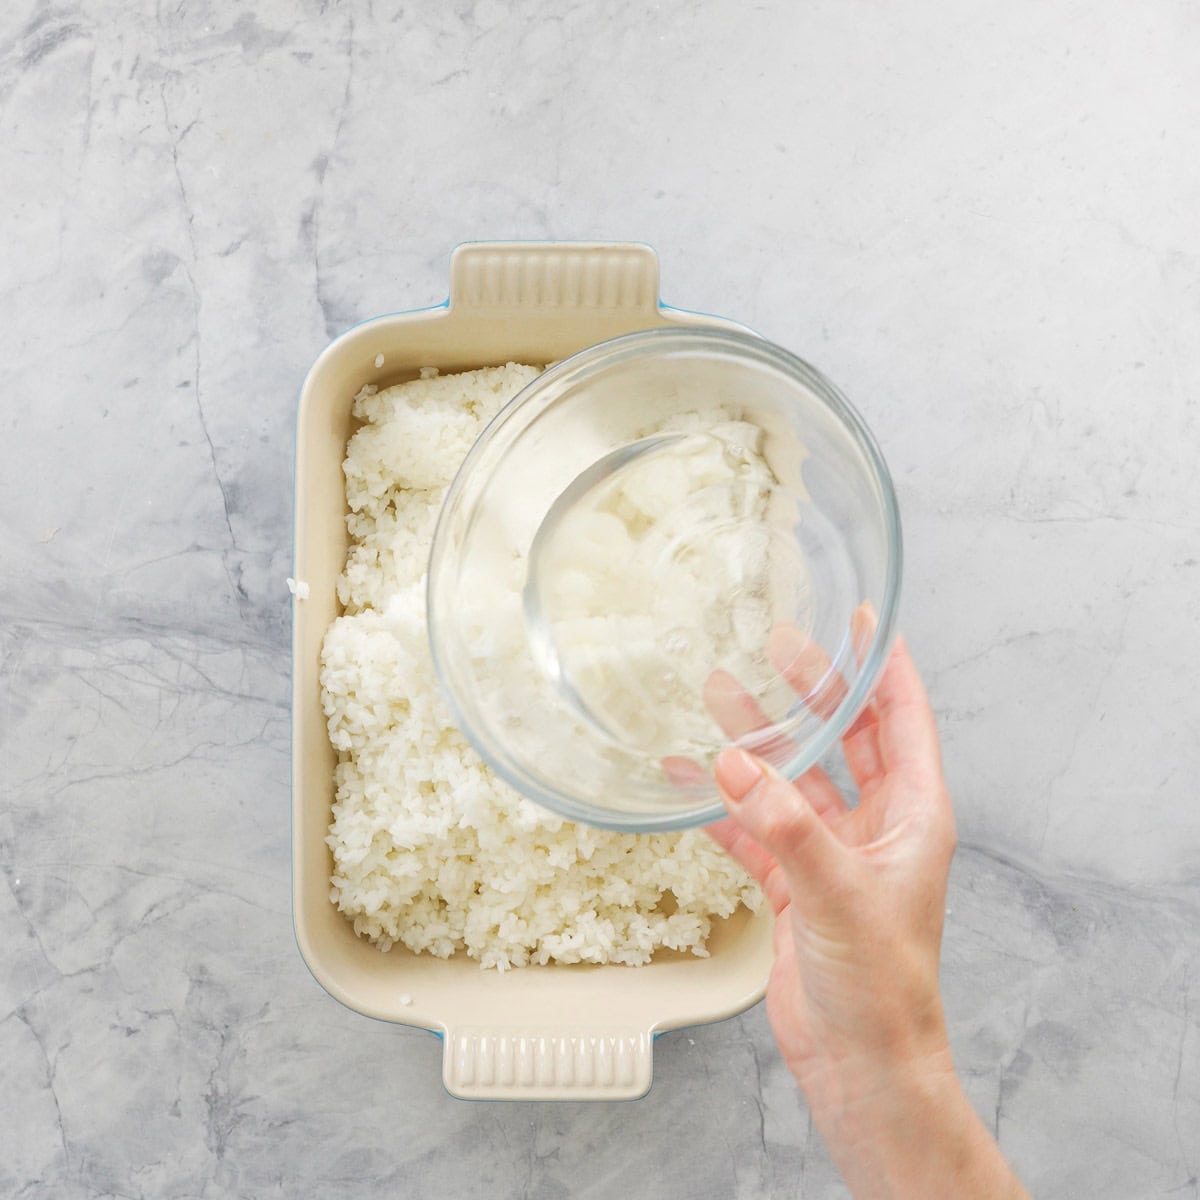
[[538, 1033]]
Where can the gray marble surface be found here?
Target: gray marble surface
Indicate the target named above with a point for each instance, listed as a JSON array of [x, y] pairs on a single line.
[[979, 218]]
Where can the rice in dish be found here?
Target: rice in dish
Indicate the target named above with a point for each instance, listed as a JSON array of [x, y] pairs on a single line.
[[430, 848]]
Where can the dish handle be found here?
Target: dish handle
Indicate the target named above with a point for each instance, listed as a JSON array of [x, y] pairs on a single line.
[[480, 1063], [498, 277]]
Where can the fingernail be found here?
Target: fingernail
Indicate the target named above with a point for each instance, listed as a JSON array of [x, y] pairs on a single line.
[[738, 773]]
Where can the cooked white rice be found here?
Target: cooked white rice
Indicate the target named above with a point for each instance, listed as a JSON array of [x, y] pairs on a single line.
[[430, 848]]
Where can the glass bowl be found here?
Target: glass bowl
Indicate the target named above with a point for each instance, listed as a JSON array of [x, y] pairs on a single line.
[[668, 541]]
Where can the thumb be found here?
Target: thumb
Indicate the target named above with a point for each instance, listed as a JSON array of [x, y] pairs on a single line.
[[777, 815]]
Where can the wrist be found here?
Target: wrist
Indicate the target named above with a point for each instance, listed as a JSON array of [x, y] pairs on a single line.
[[904, 1130], [863, 1098], [900, 1056]]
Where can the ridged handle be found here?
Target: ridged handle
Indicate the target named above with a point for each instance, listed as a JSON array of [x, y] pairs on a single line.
[[612, 276], [506, 1064]]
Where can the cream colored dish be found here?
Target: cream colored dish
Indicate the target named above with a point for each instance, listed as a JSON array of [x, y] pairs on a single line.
[[553, 1032]]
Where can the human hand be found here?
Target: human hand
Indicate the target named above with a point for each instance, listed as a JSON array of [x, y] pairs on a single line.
[[859, 897]]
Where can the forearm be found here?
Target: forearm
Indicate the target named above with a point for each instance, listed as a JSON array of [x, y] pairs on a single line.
[[909, 1134]]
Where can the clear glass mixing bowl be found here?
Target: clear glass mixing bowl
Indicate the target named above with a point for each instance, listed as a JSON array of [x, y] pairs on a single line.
[[668, 541]]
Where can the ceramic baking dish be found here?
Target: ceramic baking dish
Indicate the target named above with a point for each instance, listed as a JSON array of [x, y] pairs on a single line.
[[573, 1032]]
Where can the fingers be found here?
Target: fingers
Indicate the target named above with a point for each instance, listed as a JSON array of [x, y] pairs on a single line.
[[860, 743], [738, 714], [896, 732], [683, 772], [807, 667], [781, 819], [823, 794], [908, 737], [742, 848], [781, 935], [732, 707], [910, 751]]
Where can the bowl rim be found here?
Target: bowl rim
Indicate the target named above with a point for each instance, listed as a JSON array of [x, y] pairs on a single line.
[[593, 358]]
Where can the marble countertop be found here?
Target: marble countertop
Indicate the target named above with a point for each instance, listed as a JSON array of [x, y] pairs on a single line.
[[979, 218]]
